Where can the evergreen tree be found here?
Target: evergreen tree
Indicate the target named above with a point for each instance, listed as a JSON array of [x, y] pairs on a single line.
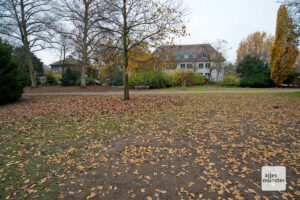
[[19, 55], [11, 79], [254, 72], [69, 77], [284, 50]]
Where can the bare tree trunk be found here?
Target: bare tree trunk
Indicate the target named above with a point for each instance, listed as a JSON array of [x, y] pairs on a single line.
[[26, 46], [31, 69], [84, 45], [82, 77], [63, 60], [125, 82], [125, 53], [83, 66]]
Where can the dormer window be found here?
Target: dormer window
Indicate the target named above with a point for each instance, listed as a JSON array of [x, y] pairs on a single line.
[[204, 54], [186, 55], [194, 54], [177, 54]]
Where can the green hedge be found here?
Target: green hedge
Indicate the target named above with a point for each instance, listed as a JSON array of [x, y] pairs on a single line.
[[162, 79], [229, 80], [152, 79], [185, 78], [52, 78]]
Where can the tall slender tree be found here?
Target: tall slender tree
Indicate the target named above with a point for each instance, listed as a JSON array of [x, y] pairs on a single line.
[[26, 22], [134, 22], [293, 8], [284, 49], [79, 19]]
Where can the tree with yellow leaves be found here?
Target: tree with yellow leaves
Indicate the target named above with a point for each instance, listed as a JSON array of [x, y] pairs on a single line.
[[257, 44], [140, 58], [133, 22], [284, 49]]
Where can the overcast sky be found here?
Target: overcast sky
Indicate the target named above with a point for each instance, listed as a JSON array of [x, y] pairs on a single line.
[[231, 20]]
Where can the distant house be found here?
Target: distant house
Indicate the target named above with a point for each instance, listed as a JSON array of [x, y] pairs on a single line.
[[197, 57], [69, 62]]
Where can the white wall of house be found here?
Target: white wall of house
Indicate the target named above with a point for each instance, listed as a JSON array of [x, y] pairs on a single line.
[[56, 69], [201, 68]]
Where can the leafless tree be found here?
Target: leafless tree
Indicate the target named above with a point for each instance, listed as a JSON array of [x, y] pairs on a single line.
[[221, 46], [79, 19], [63, 45], [26, 22], [214, 53], [133, 22]]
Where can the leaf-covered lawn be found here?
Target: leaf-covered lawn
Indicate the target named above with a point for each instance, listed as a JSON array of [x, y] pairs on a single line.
[[201, 146]]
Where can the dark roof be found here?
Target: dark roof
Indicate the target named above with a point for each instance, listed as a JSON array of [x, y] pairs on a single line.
[[192, 48], [68, 61]]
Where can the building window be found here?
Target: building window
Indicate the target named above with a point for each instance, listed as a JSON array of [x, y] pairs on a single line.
[[194, 54], [182, 66], [186, 55], [177, 54], [207, 74], [207, 65], [200, 65], [204, 54], [189, 66]]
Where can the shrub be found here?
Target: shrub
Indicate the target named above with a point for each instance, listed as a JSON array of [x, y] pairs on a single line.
[[229, 80], [211, 82], [256, 81], [292, 77], [185, 78], [254, 72], [12, 81], [52, 78], [152, 79], [69, 78], [296, 82], [111, 75], [90, 81]]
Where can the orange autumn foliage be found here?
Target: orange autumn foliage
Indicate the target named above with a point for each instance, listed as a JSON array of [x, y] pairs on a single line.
[[284, 49], [257, 44]]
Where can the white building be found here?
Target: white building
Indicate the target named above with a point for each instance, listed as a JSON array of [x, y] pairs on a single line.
[[202, 58]]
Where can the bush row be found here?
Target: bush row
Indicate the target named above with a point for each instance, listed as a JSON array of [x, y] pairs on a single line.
[[162, 79], [69, 78]]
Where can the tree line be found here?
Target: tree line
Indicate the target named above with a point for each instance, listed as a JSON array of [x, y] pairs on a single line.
[[264, 60], [89, 26]]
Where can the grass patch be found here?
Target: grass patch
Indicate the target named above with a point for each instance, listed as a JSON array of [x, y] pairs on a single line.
[[213, 88], [192, 139], [295, 94]]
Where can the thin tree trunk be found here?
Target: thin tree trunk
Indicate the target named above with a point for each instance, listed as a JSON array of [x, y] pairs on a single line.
[[63, 62], [60, 58], [125, 83], [125, 53]]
